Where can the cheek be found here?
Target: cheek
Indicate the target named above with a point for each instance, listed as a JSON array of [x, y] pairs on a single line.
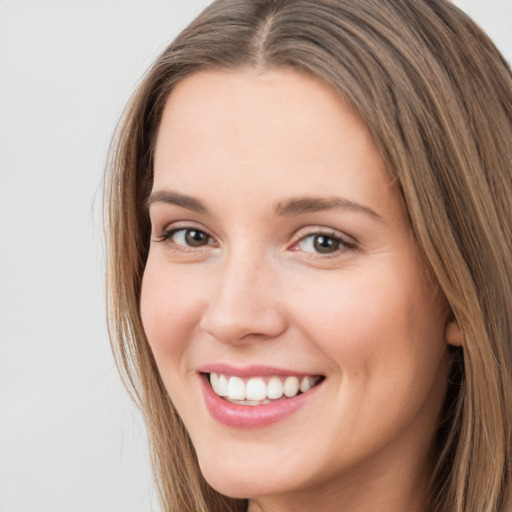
[[375, 326], [170, 310], [385, 341]]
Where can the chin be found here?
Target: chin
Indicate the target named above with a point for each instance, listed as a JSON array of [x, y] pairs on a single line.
[[247, 481]]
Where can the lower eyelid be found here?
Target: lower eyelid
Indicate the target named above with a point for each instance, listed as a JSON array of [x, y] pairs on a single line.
[[167, 234]]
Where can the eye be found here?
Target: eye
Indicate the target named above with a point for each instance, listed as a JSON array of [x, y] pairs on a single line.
[[323, 243], [187, 237]]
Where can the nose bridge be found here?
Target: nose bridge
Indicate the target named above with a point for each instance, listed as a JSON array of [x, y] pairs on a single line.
[[243, 301]]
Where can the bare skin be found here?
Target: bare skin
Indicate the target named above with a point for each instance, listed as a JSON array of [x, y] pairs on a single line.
[[279, 239]]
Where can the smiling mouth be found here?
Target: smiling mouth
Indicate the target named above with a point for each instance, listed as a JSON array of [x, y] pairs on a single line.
[[261, 390]]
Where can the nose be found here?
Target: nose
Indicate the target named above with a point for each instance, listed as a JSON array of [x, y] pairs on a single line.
[[244, 303]]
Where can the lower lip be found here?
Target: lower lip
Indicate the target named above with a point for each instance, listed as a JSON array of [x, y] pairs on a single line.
[[248, 416]]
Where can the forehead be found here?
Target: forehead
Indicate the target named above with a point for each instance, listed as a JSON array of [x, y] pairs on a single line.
[[272, 108], [264, 129]]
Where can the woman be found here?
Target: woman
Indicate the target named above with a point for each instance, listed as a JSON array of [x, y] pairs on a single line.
[[309, 281]]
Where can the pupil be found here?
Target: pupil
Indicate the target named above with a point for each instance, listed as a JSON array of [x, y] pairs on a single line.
[[324, 244], [195, 238]]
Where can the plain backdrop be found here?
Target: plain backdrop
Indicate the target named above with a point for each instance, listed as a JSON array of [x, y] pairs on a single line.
[[70, 439]]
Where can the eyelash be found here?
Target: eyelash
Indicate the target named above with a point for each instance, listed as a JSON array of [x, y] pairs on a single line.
[[167, 235], [342, 245]]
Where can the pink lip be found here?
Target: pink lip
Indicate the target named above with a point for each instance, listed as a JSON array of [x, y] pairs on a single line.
[[249, 371], [246, 416]]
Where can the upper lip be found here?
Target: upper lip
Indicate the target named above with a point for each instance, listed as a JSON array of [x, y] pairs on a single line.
[[252, 370]]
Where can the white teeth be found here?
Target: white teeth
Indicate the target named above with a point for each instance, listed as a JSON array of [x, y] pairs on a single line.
[[214, 381], [305, 384], [291, 386], [274, 388], [255, 391], [222, 386], [236, 388]]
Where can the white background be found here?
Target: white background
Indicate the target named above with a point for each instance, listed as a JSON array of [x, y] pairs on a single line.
[[70, 440]]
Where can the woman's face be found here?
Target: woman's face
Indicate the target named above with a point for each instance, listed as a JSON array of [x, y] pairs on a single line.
[[281, 256]]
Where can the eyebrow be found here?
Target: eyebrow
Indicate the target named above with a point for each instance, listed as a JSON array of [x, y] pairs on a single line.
[[301, 205], [187, 202], [288, 208]]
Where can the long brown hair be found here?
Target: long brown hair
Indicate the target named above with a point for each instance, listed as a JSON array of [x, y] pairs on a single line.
[[437, 97]]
